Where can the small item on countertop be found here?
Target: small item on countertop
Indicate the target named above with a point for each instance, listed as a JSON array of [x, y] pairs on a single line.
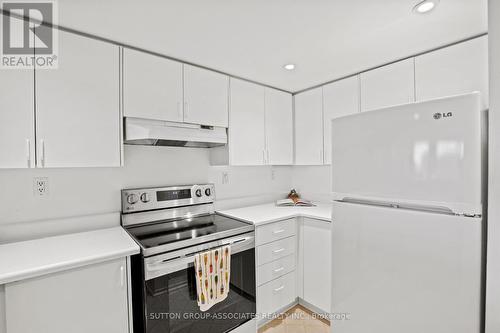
[[294, 200], [214, 270]]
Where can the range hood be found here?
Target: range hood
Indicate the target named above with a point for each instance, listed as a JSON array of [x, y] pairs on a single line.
[[164, 133]]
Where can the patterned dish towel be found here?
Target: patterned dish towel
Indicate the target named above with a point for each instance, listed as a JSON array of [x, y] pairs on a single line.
[[213, 270]]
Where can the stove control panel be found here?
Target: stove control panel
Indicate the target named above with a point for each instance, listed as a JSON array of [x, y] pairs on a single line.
[[137, 200]]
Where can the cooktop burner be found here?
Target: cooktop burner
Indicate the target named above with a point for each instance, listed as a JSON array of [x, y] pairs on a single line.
[[160, 233]]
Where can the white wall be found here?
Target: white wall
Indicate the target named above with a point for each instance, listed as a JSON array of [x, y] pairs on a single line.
[[90, 191], [313, 182], [493, 257]]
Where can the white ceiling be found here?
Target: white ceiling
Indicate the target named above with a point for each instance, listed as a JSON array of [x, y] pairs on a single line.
[[255, 38]]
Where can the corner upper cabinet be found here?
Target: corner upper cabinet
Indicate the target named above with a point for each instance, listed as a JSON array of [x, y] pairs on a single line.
[[388, 85], [152, 87], [78, 119], [279, 127], [246, 130], [17, 132], [340, 98], [309, 127], [454, 70], [205, 97]]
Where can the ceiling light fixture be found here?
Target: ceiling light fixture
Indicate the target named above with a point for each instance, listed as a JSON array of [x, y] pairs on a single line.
[[425, 6], [289, 67]]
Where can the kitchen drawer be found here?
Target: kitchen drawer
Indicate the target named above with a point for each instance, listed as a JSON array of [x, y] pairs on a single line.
[[275, 269], [275, 250], [275, 231], [277, 294]]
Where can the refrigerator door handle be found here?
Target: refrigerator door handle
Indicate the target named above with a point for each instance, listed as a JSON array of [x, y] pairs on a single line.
[[390, 204]]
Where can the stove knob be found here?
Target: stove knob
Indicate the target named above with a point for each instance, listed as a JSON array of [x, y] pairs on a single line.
[[208, 192], [132, 199], [145, 197], [198, 193]]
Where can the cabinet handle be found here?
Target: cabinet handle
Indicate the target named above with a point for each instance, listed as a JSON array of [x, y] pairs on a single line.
[[42, 152], [122, 276], [278, 231], [277, 270], [279, 288], [279, 250], [185, 110], [28, 152], [264, 156], [267, 151]]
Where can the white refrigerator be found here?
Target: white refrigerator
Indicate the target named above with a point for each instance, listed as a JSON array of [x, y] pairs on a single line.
[[407, 226]]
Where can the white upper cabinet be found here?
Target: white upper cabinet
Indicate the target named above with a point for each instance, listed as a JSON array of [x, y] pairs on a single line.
[[77, 106], [309, 127], [340, 98], [205, 97], [152, 87], [17, 133], [458, 69], [279, 127], [246, 130], [388, 85]]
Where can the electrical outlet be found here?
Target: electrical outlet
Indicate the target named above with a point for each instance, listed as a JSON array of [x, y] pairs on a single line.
[[41, 186], [225, 177]]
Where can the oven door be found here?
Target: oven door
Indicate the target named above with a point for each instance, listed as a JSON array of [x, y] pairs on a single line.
[[170, 298]]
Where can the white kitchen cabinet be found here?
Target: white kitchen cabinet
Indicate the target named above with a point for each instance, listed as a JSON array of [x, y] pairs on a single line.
[[316, 258], [205, 97], [340, 98], [309, 127], [82, 300], [388, 85], [246, 130], [454, 70], [279, 127], [152, 87], [78, 120], [17, 132]]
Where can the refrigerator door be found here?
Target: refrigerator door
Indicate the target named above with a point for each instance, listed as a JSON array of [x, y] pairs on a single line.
[[426, 153], [396, 270]]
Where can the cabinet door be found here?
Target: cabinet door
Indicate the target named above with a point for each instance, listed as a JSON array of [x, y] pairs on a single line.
[[388, 85], [454, 70], [340, 98], [309, 127], [317, 263], [77, 105], [205, 97], [246, 133], [88, 299], [152, 87], [17, 142], [279, 127]]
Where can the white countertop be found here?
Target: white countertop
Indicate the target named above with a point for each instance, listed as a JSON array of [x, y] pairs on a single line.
[[28, 259], [268, 213]]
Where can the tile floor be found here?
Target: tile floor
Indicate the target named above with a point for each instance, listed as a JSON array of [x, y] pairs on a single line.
[[297, 320]]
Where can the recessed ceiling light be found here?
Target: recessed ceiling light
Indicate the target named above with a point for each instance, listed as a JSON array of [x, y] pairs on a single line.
[[425, 6], [289, 67]]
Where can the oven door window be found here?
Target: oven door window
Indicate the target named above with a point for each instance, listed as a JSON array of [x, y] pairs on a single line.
[[171, 304]]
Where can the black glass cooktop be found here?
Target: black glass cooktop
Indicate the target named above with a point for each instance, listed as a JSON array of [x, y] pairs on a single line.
[[162, 233]]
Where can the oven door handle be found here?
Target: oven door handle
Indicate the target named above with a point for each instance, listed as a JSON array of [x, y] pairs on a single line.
[[154, 269]]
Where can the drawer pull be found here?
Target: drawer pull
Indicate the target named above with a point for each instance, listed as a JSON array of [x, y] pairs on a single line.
[[277, 270], [278, 231], [279, 289], [279, 250]]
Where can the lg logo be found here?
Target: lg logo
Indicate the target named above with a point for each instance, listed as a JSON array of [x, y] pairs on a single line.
[[439, 115]]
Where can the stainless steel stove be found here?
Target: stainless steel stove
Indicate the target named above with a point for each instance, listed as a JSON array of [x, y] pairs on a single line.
[[171, 225]]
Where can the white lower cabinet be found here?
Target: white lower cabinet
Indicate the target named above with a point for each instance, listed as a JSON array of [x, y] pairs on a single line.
[[82, 300], [276, 294], [316, 261]]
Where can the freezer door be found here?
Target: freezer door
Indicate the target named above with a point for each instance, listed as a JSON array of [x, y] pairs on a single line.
[[426, 153], [397, 270]]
